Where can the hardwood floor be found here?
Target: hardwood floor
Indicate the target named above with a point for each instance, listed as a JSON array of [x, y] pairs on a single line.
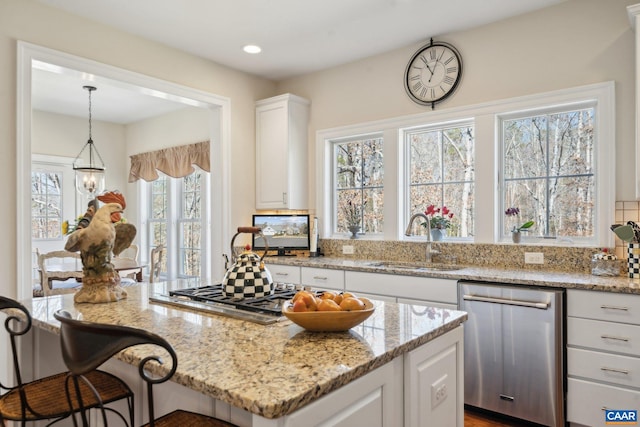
[[480, 419]]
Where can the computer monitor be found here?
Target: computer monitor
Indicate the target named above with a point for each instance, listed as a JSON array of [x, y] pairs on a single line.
[[284, 232]]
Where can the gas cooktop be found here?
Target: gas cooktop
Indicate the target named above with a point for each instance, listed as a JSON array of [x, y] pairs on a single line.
[[211, 299]]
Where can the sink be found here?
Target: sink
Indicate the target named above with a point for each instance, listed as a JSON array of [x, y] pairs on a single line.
[[421, 266]]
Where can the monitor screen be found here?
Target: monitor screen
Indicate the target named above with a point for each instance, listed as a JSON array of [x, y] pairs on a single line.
[[283, 232]]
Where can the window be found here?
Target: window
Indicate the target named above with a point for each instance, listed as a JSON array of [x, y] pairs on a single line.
[[552, 155], [358, 175], [549, 172], [46, 205], [441, 169], [190, 226], [176, 220]]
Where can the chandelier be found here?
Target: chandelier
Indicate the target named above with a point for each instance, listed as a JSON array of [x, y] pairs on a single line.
[[88, 165]]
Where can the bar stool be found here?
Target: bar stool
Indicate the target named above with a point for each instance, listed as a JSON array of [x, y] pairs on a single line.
[[44, 398], [87, 345]]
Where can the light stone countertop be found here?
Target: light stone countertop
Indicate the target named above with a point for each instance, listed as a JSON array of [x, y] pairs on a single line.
[[269, 370], [554, 279]]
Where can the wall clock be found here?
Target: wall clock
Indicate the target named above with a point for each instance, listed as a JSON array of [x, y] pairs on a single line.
[[433, 73]]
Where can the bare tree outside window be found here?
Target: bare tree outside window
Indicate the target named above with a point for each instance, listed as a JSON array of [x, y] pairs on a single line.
[[159, 217], [441, 173], [549, 172], [190, 228], [46, 205], [358, 177]]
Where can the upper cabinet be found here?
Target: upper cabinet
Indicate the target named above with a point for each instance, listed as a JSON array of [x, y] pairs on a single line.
[[281, 152], [634, 17]]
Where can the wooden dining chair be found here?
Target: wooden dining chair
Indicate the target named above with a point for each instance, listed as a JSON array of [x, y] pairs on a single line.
[[44, 398], [156, 263], [57, 281], [87, 345]]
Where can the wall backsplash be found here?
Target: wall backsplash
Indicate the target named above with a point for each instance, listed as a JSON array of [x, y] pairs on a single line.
[[556, 258], [494, 255]]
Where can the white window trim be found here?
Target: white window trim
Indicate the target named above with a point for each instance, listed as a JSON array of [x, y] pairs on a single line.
[[485, 119]]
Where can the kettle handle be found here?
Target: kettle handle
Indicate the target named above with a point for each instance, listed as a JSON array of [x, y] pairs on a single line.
[[250, 230]]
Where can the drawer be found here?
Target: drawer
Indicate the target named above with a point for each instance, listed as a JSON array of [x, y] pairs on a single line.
[[322, 278], [612, 307], [604, 336], [284, 273], [419, 302], [586, 401], [611, 368], [411, 287]]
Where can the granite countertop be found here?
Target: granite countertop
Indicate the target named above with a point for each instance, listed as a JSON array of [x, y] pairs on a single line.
[[269, 370], [618, 284]]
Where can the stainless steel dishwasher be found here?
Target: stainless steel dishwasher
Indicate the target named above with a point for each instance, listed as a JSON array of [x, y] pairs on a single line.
[[514, 350]]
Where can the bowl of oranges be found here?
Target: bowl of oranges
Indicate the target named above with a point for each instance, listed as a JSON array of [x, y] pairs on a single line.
[[327, 311]]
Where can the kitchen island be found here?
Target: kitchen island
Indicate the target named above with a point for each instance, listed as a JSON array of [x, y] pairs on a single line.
[[402, 366]]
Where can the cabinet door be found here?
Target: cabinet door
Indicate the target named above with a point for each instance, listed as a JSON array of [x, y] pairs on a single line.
[[271, 156], [412, 287], [281, 153], [374, 400], [433, 383]]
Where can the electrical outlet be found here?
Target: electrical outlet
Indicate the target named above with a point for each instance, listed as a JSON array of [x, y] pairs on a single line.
[[348, 250], [438, 391], [533, 258]]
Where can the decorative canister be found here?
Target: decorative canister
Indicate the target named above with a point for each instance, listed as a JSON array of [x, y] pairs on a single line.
[[634, 260], [605, 264]]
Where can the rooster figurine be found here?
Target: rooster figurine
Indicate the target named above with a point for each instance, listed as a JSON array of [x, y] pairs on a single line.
[[96, 242]]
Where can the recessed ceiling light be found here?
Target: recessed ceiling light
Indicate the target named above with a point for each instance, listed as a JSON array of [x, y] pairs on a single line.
[[252, 48]]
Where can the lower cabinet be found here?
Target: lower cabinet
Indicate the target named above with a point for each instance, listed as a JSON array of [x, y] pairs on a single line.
[[414, 290], [603, 355]]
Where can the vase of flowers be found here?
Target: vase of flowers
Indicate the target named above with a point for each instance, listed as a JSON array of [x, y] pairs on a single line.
[[439, 221], [516, 230]]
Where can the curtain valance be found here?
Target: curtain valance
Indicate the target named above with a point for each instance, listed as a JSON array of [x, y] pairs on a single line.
[[176, 162]]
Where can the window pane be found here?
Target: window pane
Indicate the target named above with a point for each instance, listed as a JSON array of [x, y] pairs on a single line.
[[441, 173], [46, 205], [358, 177], [549, 173]]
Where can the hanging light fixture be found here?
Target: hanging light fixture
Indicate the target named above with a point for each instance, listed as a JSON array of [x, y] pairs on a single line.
[[89, 167]]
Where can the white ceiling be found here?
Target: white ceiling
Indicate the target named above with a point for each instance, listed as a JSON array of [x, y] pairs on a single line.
[[297, 37]]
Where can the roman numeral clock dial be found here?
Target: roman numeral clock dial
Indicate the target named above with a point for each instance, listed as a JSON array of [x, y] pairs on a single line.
[[433, 73]]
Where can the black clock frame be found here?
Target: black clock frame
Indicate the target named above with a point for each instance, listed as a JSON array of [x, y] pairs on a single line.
[[453, 87]]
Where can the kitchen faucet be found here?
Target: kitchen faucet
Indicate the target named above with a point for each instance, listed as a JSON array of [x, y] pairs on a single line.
[[430, 252]]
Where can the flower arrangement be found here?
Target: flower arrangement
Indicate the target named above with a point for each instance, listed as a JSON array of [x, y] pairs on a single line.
[[439, 218], [515, 212], [353, 213]]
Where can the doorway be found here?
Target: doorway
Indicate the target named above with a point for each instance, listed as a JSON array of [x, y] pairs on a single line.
[[219, 108]]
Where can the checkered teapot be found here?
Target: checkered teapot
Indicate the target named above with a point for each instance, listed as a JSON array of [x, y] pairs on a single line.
[[248, 277]]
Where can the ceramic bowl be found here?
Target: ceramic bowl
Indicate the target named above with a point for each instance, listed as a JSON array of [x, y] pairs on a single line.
[[327, 321]]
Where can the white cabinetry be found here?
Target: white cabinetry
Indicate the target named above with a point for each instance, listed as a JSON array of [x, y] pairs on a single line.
[[434, 383], [407, 289], [603, 354], [284, 273], [323, 278], [281, 152]]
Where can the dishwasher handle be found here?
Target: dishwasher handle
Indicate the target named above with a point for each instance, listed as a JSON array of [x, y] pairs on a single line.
[[540, 305]]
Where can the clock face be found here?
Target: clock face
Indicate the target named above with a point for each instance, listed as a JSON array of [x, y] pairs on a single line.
[[433, 73]]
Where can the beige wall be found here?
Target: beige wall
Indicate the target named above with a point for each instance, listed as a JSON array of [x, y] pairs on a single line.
[[61, 135], [574, 43], [31, 21]]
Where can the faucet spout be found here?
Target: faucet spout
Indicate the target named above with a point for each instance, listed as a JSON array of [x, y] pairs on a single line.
[[429, 251]]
